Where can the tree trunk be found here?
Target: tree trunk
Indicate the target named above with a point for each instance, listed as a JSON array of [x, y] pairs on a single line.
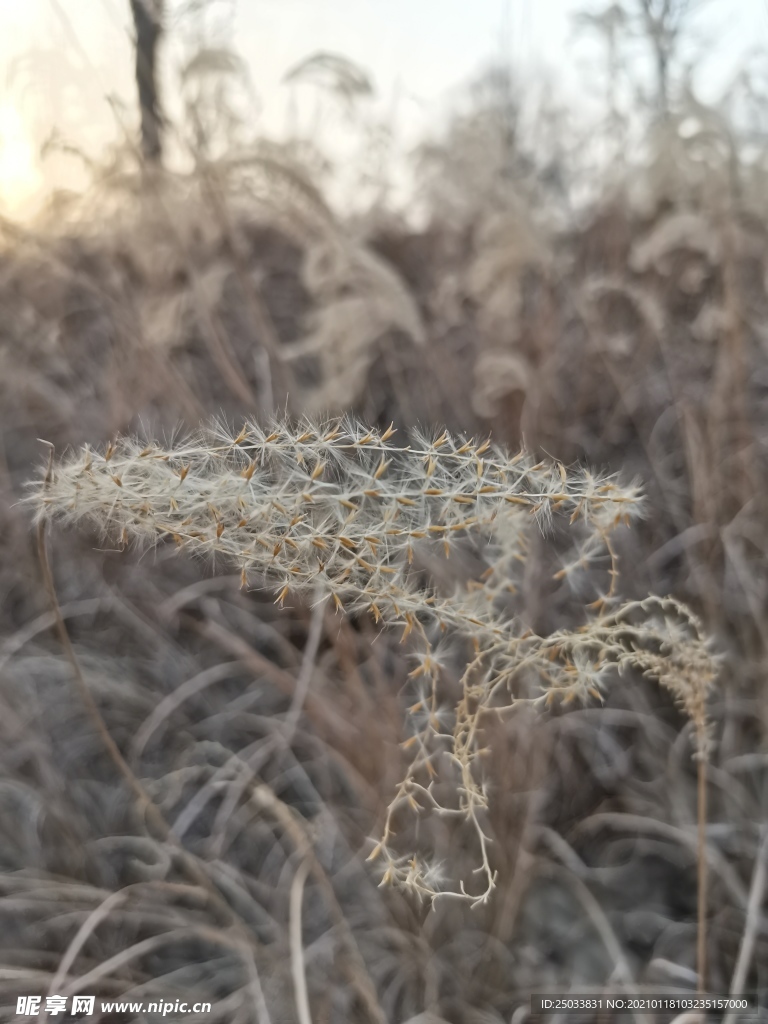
[[147, 18]]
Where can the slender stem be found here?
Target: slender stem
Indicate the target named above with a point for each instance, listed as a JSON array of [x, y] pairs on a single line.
[[298, 966], [751, 924], [701, 938]]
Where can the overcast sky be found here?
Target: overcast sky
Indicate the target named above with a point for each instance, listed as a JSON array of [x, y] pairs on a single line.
[[61, 59]]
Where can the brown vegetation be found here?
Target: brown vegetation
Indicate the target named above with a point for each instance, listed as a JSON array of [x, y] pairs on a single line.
[[621, 331]]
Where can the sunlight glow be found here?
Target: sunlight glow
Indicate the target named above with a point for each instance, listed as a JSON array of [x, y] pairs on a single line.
[[20, 178]]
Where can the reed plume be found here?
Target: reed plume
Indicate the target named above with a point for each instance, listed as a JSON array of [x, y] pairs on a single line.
[[343, 513]]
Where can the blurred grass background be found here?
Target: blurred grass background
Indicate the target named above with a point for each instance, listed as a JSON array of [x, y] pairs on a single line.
[[590, 284]]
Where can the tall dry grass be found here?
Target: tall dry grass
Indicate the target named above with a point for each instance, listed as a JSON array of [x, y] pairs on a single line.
[[622, 333]]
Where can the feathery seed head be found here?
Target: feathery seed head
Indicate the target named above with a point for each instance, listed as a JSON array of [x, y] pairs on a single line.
[[339, 508]]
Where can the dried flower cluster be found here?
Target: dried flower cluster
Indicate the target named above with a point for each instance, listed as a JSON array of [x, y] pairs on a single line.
[[343, 511]]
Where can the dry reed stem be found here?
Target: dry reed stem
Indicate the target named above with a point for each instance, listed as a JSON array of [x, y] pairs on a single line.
[[752, 923], [298, 968], [701, 873]]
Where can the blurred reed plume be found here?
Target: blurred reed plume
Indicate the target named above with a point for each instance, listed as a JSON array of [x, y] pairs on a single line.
[[346, 514]]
